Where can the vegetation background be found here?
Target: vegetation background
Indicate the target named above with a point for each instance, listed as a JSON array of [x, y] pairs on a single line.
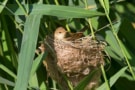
[[23, 23]]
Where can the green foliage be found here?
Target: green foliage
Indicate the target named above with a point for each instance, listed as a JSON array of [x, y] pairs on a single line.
[[82, 84], [24, 23]]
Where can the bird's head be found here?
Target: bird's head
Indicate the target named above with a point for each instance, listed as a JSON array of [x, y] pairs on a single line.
[[60, 33]]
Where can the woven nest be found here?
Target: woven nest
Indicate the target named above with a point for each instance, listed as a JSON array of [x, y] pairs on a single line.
[[75, 59]]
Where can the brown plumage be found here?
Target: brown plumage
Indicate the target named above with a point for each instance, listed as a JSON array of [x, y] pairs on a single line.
[[74, 55], [62, 34]]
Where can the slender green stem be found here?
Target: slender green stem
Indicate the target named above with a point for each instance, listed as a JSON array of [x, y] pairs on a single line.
[[67, 27], [27, 7], [2, 67], [56, 2], [69, 84], [6, 87], [89, 21], [25, 12], [117, 38], [86, 5], [92, 31], [18, 26], [104, 75], [54, 85]]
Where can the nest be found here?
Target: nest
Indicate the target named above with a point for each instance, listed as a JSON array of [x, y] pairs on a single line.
[[75, 59]]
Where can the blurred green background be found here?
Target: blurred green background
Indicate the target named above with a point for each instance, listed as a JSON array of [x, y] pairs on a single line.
[[24, 23]]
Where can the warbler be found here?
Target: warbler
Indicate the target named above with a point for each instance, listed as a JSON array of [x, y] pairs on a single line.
[[62, 34]]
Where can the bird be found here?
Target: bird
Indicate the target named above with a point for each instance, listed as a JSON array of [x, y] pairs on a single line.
[[62, 34], [73, 55]]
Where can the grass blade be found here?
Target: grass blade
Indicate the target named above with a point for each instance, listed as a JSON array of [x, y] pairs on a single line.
[[54, 10], [113, 79], [27, 51], [7, 71], [5, 81]]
